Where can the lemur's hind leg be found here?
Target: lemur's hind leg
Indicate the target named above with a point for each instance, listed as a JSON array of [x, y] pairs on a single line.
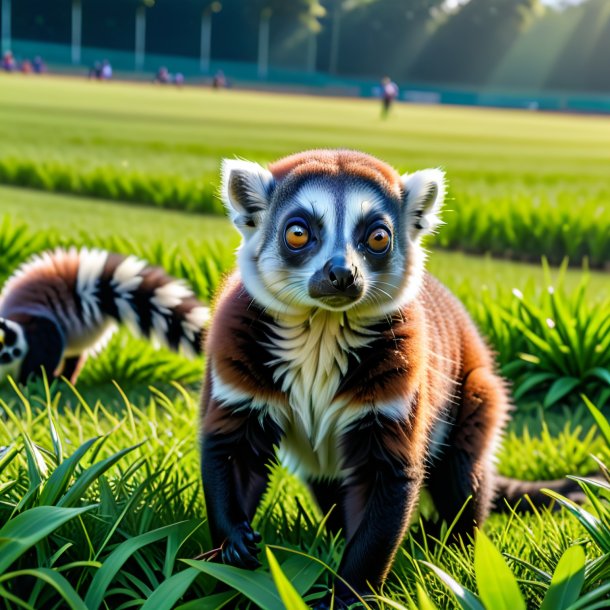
[[330, 497], [45, 350], [73, 367], [466, 466]]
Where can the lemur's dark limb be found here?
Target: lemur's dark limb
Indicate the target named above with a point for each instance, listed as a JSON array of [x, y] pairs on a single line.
[[46, 345], [73, 366], [511, 492], [465, 468], [329, 495], [380, 493], [236, 451]]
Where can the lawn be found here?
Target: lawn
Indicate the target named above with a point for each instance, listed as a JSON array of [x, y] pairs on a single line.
[[100, 500], [522, 184], [80, 219], [184, 132]]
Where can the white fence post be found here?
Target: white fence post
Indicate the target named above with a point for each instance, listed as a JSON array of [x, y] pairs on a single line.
[[77, 29], [140, 37], [6, 25]]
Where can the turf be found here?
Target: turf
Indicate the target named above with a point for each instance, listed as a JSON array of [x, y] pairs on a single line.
[[521, 184], [155, 131], [81, 219]]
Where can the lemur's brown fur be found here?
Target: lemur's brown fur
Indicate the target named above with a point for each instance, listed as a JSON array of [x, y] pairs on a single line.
[[426, 355]]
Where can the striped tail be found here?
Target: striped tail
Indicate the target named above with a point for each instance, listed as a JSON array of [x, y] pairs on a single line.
[[146, 299]]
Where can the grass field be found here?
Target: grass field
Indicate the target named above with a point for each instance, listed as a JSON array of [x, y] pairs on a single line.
[[521, 184], [184, 132], [117, 522], [81, 219]]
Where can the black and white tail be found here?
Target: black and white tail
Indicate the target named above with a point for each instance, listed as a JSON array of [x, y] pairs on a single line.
[[144, 298], [63, 304]]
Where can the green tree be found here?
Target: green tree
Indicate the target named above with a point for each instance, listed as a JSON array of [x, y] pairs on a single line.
[[384, 36], [469, 45], [583, 63], [307, 12]]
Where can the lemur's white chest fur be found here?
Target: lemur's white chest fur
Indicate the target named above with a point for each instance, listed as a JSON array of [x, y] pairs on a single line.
[[311, 358], [338, 239]]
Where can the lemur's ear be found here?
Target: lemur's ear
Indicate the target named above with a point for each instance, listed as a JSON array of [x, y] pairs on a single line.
[[245, 191], [424, 193]]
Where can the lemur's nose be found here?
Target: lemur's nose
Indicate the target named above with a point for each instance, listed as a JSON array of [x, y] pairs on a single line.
[[340, 273]]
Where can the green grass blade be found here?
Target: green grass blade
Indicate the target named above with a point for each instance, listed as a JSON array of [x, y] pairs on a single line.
[[256, 586], [288, 593], [115, 561], [8, 455], [600, 419], [6, 595], [497, 585], [425, 603], [57, 483], [89, 476], [302, 571], [56, 580], [567, 582], [29, 528], [209, 602], [165, 596], [466, 599], [559, 389]]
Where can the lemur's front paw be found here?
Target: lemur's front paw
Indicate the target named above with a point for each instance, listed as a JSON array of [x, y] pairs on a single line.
[[240, 549]]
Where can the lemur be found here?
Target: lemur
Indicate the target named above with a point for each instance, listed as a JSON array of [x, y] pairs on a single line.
[[332, 342], [62, 305]]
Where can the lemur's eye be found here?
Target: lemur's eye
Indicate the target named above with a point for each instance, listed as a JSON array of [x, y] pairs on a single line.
[[378, 240], [297, 234]]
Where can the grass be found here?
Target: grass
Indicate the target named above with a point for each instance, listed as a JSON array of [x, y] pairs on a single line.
[[522, 184], [105, 506], [84, 218], [80, 219], [100, 500], [142, 524]]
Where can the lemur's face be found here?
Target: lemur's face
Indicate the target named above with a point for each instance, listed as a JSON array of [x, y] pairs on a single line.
[[13, 347], [340, 241]]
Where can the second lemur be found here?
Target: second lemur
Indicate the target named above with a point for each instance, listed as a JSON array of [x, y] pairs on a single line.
[[62, 305]]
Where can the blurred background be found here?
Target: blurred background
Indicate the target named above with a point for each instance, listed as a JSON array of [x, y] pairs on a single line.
[[525, 53]]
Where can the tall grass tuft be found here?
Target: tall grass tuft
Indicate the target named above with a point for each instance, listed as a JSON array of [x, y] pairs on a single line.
[[171, 191]]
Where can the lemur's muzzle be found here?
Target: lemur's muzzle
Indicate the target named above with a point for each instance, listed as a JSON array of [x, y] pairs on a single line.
[[337, 283]]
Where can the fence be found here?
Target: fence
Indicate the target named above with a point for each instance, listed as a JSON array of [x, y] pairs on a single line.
[[58, 57]]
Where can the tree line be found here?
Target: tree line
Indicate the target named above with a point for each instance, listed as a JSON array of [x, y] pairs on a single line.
[[503, 43]]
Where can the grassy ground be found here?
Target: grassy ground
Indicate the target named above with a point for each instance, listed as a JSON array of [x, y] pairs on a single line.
[[521, 184], [143, 503], [79, 218], [156, 486], [186, 131]]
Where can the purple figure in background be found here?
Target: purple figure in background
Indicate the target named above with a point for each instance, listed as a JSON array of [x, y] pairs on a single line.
[[389, 92]]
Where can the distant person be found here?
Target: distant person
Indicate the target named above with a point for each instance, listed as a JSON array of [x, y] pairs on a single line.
[[162, 76], [179, 79], [96, 70], [39, 65], [106, 70], [389, 92], [8, 62], [26, 66], [219, 81]]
